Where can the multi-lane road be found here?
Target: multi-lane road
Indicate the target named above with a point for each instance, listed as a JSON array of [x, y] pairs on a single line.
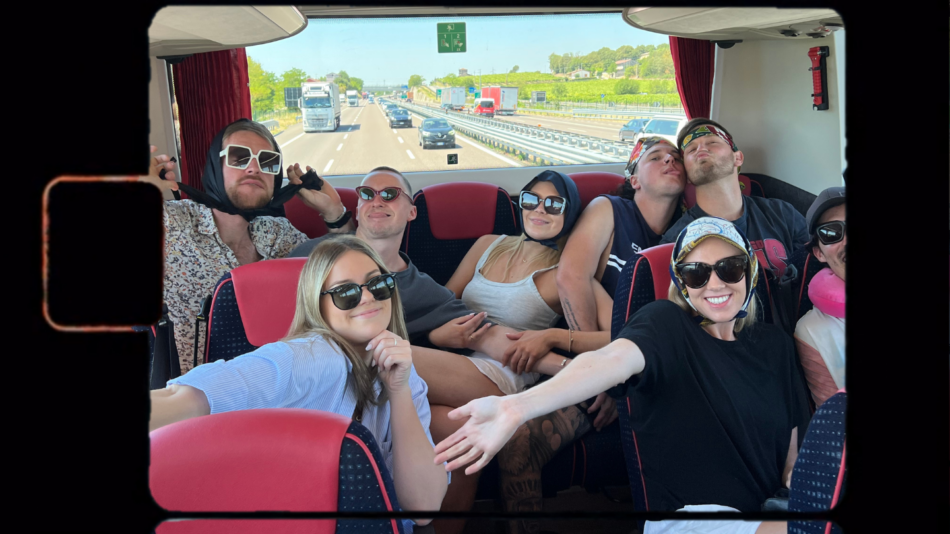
[[364, 140]]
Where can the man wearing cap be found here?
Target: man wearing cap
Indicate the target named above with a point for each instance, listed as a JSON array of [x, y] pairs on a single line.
[[614, 227], [237, 219], [819, 334], [774, 227]]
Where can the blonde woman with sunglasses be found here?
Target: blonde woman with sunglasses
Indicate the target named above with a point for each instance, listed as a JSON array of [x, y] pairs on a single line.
[[345, 353]]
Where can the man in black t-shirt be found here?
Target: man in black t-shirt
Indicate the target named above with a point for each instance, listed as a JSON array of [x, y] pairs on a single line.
[[712, 159]]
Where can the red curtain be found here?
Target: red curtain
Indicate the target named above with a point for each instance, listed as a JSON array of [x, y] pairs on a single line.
[[694, 61], [212, 91]]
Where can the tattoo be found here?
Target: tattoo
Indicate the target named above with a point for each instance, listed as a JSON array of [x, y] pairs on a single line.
[[531, 447], [569, 315]]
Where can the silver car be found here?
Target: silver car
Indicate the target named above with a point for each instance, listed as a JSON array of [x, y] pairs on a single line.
[[629, 131]]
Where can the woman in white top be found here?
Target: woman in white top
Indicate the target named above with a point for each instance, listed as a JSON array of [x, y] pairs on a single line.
[[513, 279], [345, 353]]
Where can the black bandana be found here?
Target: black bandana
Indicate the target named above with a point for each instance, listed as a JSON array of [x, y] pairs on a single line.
[[215, 196], [566, 188]]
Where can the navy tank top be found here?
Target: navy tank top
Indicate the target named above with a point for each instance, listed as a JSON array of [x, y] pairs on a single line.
[[631, 235]]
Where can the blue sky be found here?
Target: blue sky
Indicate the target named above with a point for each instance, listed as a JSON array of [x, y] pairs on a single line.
[[393, 49]]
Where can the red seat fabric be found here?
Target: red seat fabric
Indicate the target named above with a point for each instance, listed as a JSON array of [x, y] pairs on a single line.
[[450, 218], [252, 305], [309, 221], [270, 460], [592, 184]]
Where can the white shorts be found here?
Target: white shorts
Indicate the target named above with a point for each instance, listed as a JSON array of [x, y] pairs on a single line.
[[704, 526], [507, 381]]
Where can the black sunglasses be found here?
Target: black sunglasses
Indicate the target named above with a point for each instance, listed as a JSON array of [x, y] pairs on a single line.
[[730, 270], [831, 232], [553, 204], [388, 194], [348, 296]]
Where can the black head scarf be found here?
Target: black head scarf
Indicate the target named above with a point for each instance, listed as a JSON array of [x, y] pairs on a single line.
[[215, 196], [566, 188]]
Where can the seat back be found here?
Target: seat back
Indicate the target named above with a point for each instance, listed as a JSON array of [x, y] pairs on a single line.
[[309, 221], [592, 184], [251, 306], [297, 460], [450, 218], [748, 186], [820, 472], [644, 278]]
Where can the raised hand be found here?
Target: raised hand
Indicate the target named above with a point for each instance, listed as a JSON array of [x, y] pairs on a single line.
[[491, 423], [460, 333], [157, 164], [326, 201], [528, 347], [392, 355]]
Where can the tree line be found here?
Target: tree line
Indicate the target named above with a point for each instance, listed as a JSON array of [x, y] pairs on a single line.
[[646, 61]]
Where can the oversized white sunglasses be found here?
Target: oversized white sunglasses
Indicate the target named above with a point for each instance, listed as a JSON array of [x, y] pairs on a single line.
[[239, 157]]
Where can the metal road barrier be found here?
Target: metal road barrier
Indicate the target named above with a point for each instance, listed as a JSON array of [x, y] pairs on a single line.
[[271, 124], [544, 143]]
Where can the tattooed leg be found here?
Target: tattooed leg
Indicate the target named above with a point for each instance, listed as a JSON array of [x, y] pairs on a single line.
[[529, 449]]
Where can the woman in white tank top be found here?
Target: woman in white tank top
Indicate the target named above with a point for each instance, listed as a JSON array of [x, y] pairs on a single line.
[[512, 278]]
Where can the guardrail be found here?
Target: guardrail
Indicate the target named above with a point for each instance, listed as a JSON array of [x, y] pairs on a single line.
[[548, 144], [599, 113], [271, 125]]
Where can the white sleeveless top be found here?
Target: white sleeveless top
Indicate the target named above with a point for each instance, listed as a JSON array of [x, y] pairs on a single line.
[[517, 305]]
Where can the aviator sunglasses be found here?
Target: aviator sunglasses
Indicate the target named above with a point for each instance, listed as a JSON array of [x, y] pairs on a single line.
[[553, 205], [730, 270], [388, 194], [831, 232], [348, 296], [239, 157]]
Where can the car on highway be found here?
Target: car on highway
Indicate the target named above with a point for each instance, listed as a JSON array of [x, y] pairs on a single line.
[[436, 132], [389, 108], [665, 127], [370, 99], [629, 131], [401, 118]]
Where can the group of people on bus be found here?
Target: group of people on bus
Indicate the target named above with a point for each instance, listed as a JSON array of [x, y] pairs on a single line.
[[718, 401]]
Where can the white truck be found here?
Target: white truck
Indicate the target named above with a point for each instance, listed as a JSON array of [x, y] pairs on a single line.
[[454, 96], [320, 106], [353, 97]]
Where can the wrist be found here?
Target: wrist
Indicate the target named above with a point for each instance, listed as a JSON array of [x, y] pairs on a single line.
[[334, 214], [515, 409]]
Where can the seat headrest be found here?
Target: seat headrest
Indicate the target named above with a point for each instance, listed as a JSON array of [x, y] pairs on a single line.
[[461, 210], [249, 460], [592, 184], [266, 293], [659, 258]]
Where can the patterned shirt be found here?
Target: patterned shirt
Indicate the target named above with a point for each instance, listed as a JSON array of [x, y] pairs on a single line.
[[196, 257]]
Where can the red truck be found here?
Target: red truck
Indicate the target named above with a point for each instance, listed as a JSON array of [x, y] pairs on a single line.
[[505, 99], [409, 97]]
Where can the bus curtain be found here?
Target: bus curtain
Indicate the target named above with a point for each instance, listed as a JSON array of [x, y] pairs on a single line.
[[212, 91], [694, 63]]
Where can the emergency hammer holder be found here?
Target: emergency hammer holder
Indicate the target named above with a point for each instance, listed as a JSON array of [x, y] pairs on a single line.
[[819, 77]]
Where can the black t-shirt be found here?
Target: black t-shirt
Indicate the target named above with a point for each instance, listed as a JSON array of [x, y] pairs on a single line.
[[774, 227], [712, 418]]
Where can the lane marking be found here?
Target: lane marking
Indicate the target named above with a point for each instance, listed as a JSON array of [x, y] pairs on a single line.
[[292, 140], [489, 152], [345, 136], [325, 169], [410, 154], [339, 147], [394, 130], [400, 140]]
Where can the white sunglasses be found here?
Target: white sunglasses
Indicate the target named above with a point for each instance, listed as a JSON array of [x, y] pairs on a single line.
[[239, 157]]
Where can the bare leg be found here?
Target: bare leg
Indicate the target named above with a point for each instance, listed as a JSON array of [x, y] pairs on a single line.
[[521, 459], [772, 527], [453, 380]]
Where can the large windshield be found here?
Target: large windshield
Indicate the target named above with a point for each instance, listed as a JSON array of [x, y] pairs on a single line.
[[486, 103], [435, 124], [317, 102]]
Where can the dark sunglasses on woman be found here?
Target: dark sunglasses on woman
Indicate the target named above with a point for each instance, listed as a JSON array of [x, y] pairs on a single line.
[[388, 194], [554, 205], [730, 270], [831, 232], [348, 296]]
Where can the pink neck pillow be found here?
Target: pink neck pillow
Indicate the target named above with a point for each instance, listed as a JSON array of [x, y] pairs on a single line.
[[826, 292]]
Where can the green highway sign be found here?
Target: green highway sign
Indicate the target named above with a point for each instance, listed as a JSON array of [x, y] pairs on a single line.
[[438, 92], [451, 37]]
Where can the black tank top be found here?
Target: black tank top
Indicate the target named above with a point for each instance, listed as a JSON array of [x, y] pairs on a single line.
[[631, 235]]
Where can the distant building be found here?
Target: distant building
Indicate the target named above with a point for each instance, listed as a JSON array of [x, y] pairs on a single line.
[[332, 76], [463, 72], [605, 76], [579, 73]]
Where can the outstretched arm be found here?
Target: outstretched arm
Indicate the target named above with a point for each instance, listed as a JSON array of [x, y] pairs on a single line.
[[493, 420]]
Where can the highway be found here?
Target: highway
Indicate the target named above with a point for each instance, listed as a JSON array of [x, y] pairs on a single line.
[[364, 141]]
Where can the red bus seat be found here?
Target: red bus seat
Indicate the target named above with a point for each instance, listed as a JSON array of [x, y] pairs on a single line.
[[309, 221], [286, 459], [592, 184]]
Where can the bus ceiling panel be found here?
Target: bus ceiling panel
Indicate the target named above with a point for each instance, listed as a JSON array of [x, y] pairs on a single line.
[[430, 11], [181, 30], [734, 23]]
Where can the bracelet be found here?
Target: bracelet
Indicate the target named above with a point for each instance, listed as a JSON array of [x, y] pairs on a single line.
[[570, 343], [343, 219], [338, 218], [563, 363]]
